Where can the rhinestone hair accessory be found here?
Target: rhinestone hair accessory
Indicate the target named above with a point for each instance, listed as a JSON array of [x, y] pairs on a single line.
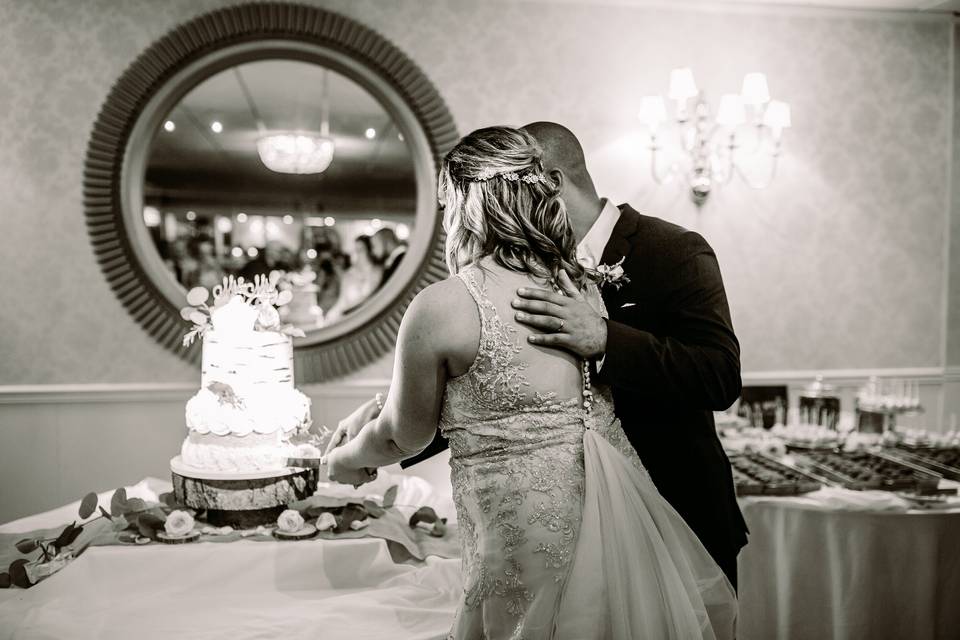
[[528, 177]]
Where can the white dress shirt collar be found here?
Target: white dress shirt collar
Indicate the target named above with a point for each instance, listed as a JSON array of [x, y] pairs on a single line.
[[590, 249]]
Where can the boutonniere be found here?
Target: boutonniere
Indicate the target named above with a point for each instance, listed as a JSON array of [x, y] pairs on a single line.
[[611, 274]]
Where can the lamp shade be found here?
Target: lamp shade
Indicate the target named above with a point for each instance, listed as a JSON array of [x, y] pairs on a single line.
[[682, 84], [777, 115], [653, 112], [731, 113], [755, 91]]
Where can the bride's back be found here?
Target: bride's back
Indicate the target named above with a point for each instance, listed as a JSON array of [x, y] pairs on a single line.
[[517, 375]]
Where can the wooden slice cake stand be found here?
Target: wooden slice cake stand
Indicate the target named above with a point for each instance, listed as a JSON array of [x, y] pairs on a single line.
[[241, 500]]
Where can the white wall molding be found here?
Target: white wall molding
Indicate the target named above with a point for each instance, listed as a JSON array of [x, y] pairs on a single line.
[[160, 392], [360, 389]]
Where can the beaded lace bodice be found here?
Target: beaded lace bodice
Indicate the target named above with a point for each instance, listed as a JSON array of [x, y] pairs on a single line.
[[517, 473]]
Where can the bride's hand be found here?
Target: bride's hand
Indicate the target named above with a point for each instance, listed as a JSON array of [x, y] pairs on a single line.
[[344, 474], [350, 426]]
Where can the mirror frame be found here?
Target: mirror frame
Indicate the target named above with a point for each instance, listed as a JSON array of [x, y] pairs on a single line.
[[119, 143]]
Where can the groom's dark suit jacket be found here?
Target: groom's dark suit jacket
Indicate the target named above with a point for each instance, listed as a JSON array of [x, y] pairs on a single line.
[[672, 358]]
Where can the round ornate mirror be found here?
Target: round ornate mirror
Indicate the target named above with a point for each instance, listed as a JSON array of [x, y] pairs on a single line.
[[272, 139]]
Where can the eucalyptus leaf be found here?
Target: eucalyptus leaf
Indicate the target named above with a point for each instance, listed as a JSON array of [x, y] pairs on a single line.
[[77, 530], [423, 514], [88, 505], [18, 574], [373, 509], [118, 502], [148, 524], [350, 513], [27, 545], [389, 497], [136, 505], [65, 536], [198, 318], [5, 580]]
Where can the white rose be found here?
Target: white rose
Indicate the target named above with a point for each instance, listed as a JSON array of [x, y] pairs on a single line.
[[290, 521], [178, 523], [326, 521], [268, 317]]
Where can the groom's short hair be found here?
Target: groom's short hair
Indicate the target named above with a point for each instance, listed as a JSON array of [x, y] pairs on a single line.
[[561, 150]]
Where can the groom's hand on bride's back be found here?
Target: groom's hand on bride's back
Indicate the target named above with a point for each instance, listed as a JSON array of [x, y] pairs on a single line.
[[349, 427], [566, 321]]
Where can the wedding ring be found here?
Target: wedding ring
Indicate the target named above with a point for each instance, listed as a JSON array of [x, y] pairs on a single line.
[[560, 328]]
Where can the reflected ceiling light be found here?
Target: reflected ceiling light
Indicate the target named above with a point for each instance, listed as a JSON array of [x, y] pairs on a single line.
[[169, 126], [298, 152], [329, 221], [252, 252], [376, 223], [236, 252], [216, 126], [311, 254], [288, 219], [241, 217], [370, 133], [151, 216], [224, 225], [191, 215], [403, 231]]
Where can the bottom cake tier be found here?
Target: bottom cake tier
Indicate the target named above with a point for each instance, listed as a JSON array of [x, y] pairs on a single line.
[[240, 454]]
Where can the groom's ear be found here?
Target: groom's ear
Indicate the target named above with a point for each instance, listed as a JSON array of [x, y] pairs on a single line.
[[556, 175]]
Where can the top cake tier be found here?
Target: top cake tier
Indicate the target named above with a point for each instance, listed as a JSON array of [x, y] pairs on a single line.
[[247, 361]]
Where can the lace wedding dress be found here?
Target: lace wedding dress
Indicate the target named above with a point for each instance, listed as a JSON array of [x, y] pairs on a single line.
[[563, 533]]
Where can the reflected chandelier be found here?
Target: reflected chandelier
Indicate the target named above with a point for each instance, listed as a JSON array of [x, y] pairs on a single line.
[[747, 130], [299, 152]]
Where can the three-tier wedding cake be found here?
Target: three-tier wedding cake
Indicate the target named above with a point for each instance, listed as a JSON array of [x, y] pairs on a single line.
[[247, 412]]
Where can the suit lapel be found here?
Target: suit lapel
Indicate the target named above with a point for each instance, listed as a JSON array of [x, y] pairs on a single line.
[[618, 246], [619, 243]]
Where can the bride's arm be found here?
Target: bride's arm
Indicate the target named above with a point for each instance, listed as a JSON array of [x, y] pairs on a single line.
[[411, 410]]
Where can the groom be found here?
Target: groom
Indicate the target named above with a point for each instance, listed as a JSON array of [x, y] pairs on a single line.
[[668, 350]]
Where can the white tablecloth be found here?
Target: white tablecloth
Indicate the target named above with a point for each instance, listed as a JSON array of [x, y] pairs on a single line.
[[828, 566], [315, 589]]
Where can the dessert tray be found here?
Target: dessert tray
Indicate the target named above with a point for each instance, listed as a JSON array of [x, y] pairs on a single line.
[[757, 474], [862, 470], [945, 462]]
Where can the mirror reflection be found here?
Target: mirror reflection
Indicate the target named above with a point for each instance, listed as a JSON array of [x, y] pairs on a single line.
[[286, 168]]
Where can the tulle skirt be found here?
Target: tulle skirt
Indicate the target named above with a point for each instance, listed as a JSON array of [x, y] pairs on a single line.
[[638, 571]]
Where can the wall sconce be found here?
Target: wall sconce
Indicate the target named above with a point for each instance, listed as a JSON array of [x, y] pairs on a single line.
[[747, 126]]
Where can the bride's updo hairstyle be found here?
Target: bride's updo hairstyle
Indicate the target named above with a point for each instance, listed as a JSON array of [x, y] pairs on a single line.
[[498, 202]]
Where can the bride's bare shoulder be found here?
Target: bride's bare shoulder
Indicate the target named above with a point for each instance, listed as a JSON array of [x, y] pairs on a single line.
[[447, 314]]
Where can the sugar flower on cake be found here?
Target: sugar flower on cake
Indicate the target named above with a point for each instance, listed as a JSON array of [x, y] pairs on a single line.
[[290, 521], [178, 523]]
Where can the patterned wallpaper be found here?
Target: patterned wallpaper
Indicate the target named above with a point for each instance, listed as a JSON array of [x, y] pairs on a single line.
[[953, 284], [839, 264]]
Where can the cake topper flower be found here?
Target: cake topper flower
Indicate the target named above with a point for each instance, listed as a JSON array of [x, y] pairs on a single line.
[[260, 296]]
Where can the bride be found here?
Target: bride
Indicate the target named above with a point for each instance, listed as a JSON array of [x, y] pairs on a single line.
[[562, 532]]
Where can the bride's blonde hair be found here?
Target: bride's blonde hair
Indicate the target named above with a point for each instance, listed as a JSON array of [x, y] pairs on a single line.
[[497, 201]]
